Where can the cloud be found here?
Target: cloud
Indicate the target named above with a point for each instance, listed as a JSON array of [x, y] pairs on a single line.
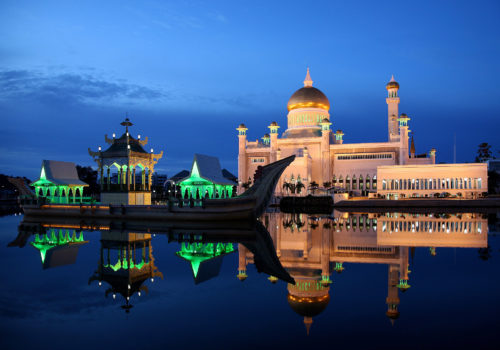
[[72, 88]]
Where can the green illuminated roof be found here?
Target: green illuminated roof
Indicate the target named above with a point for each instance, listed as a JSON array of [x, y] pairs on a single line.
[[46, 244], [206, 168], [199, 254], [58, 173]]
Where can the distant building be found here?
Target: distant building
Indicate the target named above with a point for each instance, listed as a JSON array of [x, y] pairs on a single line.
[[494, 165], [159, 180]]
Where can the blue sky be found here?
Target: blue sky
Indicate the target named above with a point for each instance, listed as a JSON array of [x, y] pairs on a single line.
[[188, 72]]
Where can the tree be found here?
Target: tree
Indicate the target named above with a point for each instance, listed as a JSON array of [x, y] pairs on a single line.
[[484, 153], [299, 187], [327, 184], [286, 187], [89, 176], [313, 186]]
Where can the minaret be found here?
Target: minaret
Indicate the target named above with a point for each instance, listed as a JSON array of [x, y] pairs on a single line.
[[403, 135], [325, 149], [392, 109], [242, 262], [392, 294], [242, 159], [338, 137], [432, 155], [273, 128]]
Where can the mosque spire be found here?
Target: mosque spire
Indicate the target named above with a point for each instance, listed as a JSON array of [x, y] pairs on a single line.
[[308, 81], [308, 322], [392, 78]]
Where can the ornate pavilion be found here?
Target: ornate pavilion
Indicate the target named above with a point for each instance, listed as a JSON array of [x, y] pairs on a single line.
[[59, 183], [127, 156], [206, 180]]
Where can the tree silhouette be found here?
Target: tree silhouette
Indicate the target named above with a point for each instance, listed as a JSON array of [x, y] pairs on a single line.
[[484, 153]]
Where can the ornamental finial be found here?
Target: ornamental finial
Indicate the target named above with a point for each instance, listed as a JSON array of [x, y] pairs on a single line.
[[126, 123], [308, 81]]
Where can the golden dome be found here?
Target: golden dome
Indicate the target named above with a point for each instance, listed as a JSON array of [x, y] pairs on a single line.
[[392, 84], [308, 97], [308, 306]]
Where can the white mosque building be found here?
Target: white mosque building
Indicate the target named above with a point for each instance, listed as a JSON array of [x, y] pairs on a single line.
[[324, 159]]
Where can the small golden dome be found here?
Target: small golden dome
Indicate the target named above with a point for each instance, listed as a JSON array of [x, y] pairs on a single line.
[[392, 84]]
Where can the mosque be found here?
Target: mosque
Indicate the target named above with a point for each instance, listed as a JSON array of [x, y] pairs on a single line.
[[322, 157]]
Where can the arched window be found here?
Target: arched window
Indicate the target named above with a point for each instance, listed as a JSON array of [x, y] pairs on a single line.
[[367, 182], [361, 183]]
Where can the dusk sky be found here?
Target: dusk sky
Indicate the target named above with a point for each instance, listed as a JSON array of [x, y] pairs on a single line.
[[188, 72]]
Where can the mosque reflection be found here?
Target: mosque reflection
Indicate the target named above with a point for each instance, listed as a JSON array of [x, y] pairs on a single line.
[[311, 248], [303, 250]]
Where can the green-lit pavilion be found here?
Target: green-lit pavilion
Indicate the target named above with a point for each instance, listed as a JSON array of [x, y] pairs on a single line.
[[59, 183], [206, 180], [59, 247]]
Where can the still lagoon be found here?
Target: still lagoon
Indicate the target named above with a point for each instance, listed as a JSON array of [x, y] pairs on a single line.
[[363, 280]]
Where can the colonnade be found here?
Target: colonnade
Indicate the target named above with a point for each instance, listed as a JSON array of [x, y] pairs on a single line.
[[433, 184], [126, 178], [351, 182], [432, 226], [212, 191], [61, 194]]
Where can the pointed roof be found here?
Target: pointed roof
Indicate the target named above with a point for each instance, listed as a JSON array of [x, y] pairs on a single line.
[[60, 173], [308, 81], [208, 168], [412, 146]]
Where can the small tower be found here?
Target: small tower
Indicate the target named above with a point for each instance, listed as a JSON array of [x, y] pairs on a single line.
[[432, 155], [242, 262], [392, 300], [242, 141], [392, 109], [273, 128], [338, 137], [325, 149], [403, 134]]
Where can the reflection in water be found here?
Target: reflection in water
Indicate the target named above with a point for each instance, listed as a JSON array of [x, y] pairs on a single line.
[[205, 258], [58, 247], [303, 250], [126, 262], [311, 248]]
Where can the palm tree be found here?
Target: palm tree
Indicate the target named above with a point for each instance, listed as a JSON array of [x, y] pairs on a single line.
[[286, 186], [299, 187], [313, 186]]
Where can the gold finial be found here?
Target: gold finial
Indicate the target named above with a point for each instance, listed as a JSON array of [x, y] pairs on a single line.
[[308, 81]]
